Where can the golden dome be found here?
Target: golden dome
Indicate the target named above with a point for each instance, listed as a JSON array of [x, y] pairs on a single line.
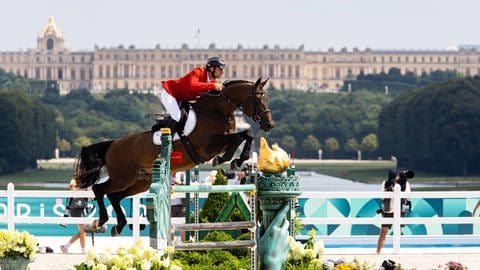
[[51, 29]]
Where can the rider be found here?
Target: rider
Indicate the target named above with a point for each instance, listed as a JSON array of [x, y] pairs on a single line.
[[190, 86]]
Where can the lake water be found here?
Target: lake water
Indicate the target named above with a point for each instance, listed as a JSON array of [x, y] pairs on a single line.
[[312, 181]]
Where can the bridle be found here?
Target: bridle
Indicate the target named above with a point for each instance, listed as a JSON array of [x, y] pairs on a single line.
[[258, 111]]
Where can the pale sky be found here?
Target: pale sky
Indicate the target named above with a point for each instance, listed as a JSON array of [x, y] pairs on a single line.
[[316, 24]]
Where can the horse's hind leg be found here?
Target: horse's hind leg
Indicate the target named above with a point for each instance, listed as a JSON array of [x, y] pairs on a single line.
[[99, 191], [115, 198]]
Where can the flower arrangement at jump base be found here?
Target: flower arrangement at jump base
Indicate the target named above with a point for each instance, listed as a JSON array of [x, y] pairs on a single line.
[[17, 249], [308, 256], [137, 257]]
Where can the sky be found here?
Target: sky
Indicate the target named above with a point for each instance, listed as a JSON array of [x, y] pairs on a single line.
[[316, 24]]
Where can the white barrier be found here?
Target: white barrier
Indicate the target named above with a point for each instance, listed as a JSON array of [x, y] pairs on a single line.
[[397, 220], [11, 218], [136, 219]]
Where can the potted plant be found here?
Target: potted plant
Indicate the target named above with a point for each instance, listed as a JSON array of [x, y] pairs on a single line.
[[17, 249]]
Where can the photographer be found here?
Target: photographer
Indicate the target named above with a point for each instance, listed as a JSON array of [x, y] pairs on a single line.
[[396, 179]]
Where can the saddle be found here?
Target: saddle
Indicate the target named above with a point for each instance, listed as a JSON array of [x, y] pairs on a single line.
[[166, 121], [180, 131]]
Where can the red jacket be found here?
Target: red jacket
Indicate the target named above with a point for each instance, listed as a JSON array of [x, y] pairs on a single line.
[[189, 86]]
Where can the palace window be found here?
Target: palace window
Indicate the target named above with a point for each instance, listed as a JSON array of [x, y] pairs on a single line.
[[137, 72], [49, 44], [126, 71], [82, 75]]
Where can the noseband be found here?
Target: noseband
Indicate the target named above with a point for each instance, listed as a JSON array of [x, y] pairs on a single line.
[[258, 113]]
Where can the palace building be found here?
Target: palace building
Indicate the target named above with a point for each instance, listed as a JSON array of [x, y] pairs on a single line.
[[104, 69]]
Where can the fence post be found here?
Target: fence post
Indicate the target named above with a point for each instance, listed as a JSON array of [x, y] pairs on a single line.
[[11, 206], [158, 210], [136, 217], [397, 216]]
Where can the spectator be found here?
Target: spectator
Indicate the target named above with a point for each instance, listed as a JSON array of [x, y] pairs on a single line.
[[75, 208], [387, 204]]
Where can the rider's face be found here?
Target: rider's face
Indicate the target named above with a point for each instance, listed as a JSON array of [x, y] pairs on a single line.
[[218, 72]]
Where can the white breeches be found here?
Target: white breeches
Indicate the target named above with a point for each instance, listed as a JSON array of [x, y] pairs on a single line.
[[171, 105]]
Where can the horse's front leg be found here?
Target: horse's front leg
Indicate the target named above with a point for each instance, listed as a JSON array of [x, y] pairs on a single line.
[[233, 142], [245, 154]]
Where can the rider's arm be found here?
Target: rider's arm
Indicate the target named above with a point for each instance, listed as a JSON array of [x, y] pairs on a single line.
[[193, 81]]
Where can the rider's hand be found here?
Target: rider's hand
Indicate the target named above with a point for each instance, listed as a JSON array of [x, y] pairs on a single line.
[[218, 86]]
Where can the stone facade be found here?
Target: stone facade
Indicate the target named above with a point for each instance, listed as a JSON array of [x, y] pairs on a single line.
[[104, 69]]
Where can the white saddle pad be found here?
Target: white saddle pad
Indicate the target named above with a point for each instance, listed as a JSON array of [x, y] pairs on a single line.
[[189, 127]]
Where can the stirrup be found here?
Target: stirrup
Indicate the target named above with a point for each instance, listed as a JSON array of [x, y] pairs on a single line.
[[172, 125]]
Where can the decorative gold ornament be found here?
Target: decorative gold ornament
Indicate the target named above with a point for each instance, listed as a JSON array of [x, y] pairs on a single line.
[[272, 160]]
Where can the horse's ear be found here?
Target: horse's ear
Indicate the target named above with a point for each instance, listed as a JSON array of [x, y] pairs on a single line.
[[264, 82], [258, 82]]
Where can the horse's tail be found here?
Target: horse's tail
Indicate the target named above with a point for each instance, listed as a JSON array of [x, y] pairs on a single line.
[[89, 163]]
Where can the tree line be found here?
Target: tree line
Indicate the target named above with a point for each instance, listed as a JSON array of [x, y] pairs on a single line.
[[433, 127], [436, 128]]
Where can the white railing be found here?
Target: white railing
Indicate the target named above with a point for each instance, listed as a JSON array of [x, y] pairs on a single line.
[[397, 220], [11, 218]]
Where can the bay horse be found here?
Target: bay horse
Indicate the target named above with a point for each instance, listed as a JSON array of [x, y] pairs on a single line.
[[128, 159]]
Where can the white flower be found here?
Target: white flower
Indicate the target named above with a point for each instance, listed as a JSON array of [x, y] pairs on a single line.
[[133, 258], [15, 244]]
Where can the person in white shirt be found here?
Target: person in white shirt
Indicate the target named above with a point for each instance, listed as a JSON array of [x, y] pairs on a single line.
[[387, 204]]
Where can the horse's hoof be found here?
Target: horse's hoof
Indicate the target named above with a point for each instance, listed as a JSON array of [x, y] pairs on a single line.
[[90, 229], [234, 165], [114, 232], [95, 224], [215, 162]]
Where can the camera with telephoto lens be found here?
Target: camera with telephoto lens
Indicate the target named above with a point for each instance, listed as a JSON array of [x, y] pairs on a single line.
[[404, 176]]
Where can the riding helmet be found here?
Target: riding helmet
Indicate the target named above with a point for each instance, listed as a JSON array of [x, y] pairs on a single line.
[[215, 62]]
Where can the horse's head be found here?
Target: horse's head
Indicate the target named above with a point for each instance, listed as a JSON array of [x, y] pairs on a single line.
[[256, 106]]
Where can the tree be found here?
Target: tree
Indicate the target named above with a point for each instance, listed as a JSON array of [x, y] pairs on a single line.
[[369, 143], [81, 142], [352, 146], [288, 142], [63, 146], [331, 145], [311, 145]]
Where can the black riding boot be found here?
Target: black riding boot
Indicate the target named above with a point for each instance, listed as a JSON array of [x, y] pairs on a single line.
[[172, 125]]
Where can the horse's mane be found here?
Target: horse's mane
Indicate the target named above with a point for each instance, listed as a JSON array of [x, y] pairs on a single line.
[[229, 83]]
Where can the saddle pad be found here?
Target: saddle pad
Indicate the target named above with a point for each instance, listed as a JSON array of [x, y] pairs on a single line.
[[189, 127]]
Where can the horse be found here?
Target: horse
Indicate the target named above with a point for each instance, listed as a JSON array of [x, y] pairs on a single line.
[[128, 159]]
